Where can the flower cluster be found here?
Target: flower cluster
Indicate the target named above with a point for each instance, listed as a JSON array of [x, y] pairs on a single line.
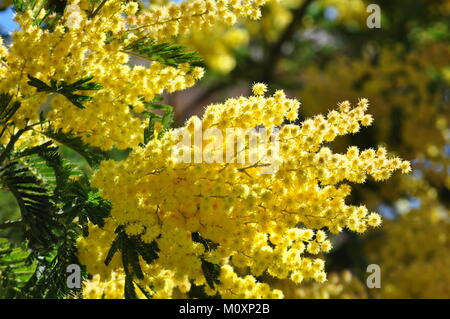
[[173, 19], [407, 98], [111, 289], [83, 44], [218, 51], [251, 217]]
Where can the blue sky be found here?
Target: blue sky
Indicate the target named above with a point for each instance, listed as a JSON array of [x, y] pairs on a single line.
[[6, 21]]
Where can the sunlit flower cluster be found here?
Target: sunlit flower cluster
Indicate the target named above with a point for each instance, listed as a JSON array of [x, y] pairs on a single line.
[[250, 215], [163, 21], [218, 51], [84, 44], [262, 210], [398, 85]]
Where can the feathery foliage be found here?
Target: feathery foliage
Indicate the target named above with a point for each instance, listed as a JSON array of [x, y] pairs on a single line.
[[67, 90], [169, 54]]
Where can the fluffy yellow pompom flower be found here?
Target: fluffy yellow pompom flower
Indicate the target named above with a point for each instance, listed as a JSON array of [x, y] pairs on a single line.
[[245, 198], [100, 45], [259, 89]]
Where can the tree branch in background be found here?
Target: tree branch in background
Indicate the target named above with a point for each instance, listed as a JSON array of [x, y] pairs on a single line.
[[275, 54], [266, 67]]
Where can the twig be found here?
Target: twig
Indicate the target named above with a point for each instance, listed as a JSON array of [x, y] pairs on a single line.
[[94, 13], [274, 54], [11, 143], [267, 66]]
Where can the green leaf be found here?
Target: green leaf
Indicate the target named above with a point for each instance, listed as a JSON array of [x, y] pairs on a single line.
[[166, 119], [50, 277], [92, 155], [149, 252], [15, 270], [158, 106], [67, 90], [116, 244], [144, 291], [49, 200], [36, 204], [54, 10], [169, 54], [211, 272], [149, 131], [7, 109], [130, 292], [82, 201], [131, 248], [23, 5], [207, 243]]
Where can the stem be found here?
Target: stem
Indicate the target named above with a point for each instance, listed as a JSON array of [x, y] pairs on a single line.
[[274, 54], [11, 143], [266, 67], [252, 166], [95, 12], [165, 21]]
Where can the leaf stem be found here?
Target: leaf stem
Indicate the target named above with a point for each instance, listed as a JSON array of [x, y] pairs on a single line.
[[95, 12], [11, 143]]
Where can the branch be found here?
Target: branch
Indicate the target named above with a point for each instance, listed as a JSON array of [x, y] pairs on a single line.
[[274, 54], [267, 66], [205, 95], [11, 143], [94, 13]]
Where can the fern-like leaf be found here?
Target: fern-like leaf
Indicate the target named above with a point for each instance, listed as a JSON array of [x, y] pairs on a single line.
[[169, 54], [67, 90], [91, 154]]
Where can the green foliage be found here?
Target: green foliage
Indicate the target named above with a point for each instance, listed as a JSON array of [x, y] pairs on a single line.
[[70, 189], [7, 110], [38, 210], [24, 5], [67, 90], [97, 9], [10, 213], [211, 272], [50, 278], [132, 249], [169, 54], [207, 243], [144, 291], [54, 10], [50, 200], [15, 269], [92, 155], [81, 201], [165, 119], [55, 202]]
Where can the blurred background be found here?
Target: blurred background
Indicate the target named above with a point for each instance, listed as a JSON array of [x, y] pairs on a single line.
[[323, 52]]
